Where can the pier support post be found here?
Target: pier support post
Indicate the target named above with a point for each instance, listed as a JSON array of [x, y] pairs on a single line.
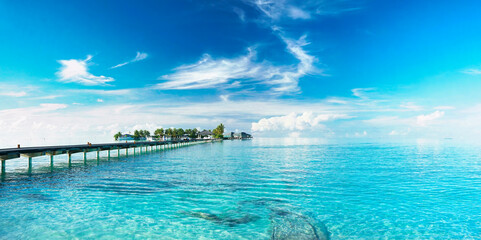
[[108, 157], [118, 152], [69, 159], [51, 162], [98, 155], [29, 165], [127, 152], [134, 151], [3, 167], [85, 157]]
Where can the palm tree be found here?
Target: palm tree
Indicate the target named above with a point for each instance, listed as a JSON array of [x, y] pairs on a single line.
[[117, 135], [137, 135], [169, 132], [219, 131], [159, 132]]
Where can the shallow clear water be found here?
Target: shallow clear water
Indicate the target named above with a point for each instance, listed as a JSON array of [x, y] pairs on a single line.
[[233, 190]]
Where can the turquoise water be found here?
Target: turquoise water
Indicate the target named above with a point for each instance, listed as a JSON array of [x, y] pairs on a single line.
[[248, 189]]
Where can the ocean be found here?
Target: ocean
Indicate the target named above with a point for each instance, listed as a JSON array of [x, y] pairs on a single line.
[[251, 189]]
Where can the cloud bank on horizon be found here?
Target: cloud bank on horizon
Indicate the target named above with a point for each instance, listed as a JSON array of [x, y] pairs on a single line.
[[277, 68]]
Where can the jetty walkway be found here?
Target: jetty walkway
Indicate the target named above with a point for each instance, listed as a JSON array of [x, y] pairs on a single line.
[[30, 152]]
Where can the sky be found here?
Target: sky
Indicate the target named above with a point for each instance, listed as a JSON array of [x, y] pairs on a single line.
[[78, 71]]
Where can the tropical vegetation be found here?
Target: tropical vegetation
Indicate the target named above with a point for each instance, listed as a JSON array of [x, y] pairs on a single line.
[[173, 133]]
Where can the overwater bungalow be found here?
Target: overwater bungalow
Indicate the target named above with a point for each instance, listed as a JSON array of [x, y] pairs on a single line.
[[206, 134]]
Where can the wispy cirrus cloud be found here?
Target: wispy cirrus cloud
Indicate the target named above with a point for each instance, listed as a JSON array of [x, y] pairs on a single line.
[[361, 92], [444, 108], [472, 71], [76, 71], [290, 9], [243, 70], [139, 57], [117, 92], [278, 9], [13, 94], [418, 121]]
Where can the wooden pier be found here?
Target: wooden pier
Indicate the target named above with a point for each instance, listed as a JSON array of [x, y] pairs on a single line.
[[31, 152]]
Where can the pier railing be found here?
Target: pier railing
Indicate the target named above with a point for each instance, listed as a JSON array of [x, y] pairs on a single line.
[[30, 152]]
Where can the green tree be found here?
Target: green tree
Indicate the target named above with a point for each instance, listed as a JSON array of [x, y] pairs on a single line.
[[219, 131], [168, 132], [146, 133], [137, 135], [117, 135], [179, 132], [159, 132], [192, 133]]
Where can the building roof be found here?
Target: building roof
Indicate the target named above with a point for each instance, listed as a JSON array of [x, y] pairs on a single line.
[[206, 133]]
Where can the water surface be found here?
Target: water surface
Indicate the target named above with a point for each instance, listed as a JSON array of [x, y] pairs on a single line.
[[234, 189]]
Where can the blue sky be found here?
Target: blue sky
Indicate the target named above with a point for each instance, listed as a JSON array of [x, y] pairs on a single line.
[[76, 70]]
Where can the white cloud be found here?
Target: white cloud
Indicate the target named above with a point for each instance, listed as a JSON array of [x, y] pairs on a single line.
[[240, 13], [41, 108], [411, 106], [424, 120], [386, 121], [118, 92], [294, 135], [49, 97], [139, 57], [360, 134], [444, 108], [100, 100], [243, 70], [472, 71], [361, 92], [13, 94], [47, 107], [293, 121], [224, 98], [277, 10], [400, 132], [297, 13], [76, 71], [337, 101]]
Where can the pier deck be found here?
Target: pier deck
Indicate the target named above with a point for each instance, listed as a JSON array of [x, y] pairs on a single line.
[[30, 152]]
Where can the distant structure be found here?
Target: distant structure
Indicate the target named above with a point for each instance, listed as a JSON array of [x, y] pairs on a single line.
[[126, 137], [206, 134], [229, 135], [241, 135]]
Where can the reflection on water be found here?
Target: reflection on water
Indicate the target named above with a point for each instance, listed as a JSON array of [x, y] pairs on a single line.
[[258, 189]]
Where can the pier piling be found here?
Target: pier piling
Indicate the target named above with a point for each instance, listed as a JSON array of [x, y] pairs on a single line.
[[29, 165], [51, 151]]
